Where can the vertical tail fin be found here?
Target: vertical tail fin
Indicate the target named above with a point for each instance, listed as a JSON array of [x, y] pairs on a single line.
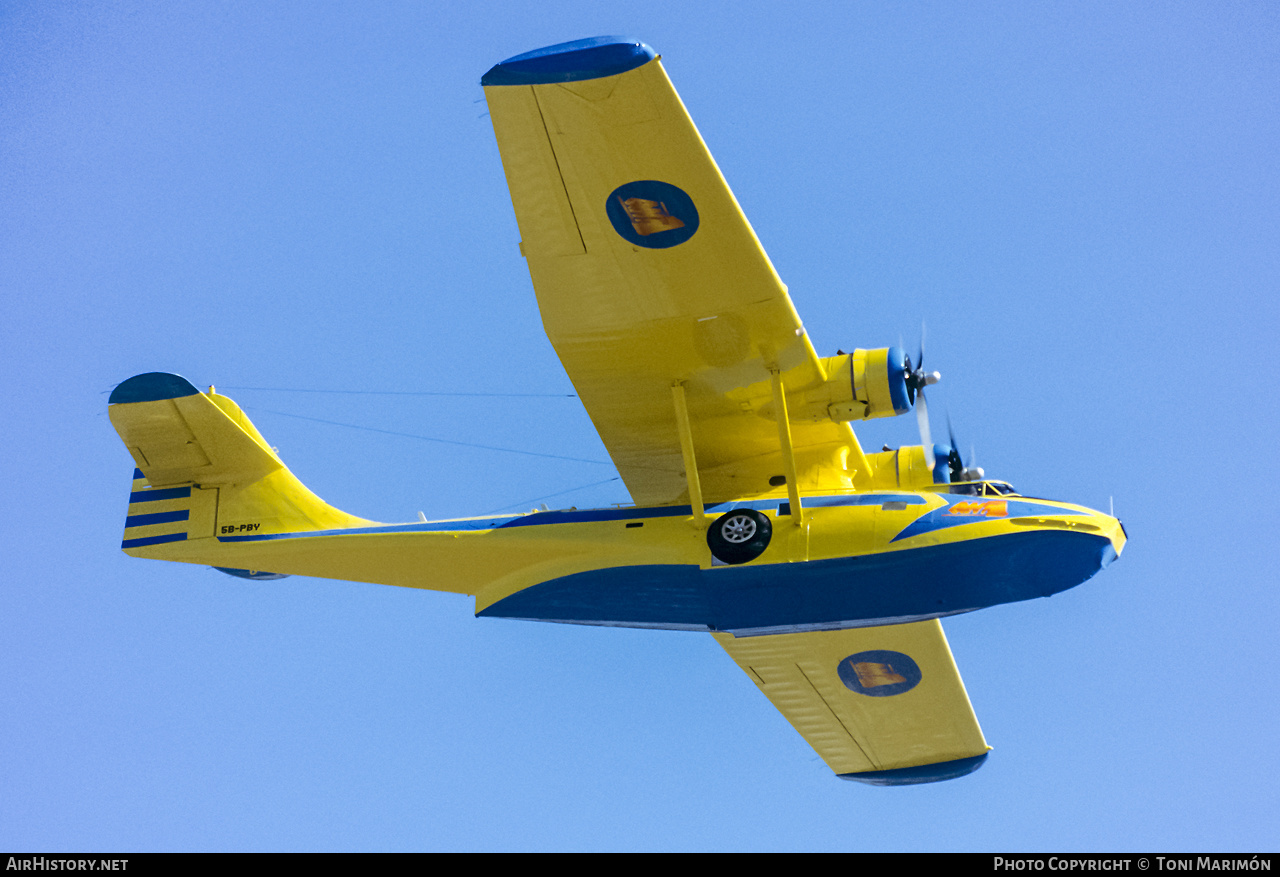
[[204, 470]]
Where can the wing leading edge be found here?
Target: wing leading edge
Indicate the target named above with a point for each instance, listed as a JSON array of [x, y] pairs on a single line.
[[648, 275], [882, 705]]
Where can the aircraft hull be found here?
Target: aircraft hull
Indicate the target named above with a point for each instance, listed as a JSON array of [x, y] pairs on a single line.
[[869, 590]]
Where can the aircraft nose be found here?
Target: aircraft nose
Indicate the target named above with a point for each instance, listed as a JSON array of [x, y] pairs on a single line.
[[1114, 530], [1095, 543]]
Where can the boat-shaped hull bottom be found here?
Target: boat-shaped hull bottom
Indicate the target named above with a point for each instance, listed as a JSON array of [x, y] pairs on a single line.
[[892, 587]]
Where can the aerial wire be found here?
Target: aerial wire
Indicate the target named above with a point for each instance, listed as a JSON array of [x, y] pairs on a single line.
[[552, 495], [429, 438], [408, 393]]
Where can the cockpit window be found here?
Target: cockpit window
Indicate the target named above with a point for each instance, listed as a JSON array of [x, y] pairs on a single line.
[[982, 488]]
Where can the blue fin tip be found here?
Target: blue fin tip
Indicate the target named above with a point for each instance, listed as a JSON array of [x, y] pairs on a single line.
[[592, 58], [152, 387]]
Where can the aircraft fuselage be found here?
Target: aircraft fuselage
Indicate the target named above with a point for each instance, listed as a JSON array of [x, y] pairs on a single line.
[[859, 559]]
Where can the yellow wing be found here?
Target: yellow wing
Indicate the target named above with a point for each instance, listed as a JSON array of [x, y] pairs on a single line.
[[648, 275], [883, 705]]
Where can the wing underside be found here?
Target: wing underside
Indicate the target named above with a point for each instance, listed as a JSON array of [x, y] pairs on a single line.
[[883, 705], [648, 274]]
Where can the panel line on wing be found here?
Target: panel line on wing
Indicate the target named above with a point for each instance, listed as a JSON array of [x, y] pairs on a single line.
[[577, 227], [836, 716]]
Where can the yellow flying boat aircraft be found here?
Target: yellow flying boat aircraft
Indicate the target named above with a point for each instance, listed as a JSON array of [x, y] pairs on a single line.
[[822, 570]]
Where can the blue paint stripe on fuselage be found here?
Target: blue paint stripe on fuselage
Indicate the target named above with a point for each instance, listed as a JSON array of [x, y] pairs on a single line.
[[154, 495], [153, 540], [931, 581], [862, 499], [943, 517], [157, 518], [588, 516]]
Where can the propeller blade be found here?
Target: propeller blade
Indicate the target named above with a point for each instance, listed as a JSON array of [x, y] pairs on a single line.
[[960, 470], [922, 421], [914, 373], [909, 375]]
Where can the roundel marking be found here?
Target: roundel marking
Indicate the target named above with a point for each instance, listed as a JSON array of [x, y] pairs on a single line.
[[651, 213], [879, 673]]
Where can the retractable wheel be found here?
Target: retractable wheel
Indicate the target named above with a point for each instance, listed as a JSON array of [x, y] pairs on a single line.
[[739, 536]]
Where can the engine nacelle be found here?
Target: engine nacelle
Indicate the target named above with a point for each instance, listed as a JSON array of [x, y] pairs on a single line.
[[908, 468], [862, 385]]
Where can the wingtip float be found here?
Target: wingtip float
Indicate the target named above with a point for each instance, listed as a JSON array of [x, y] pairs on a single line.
[[821, 569]]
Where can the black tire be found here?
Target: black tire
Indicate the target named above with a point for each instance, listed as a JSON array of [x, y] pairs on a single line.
[[739, 536]]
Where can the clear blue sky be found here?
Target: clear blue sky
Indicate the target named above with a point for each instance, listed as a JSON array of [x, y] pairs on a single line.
[[1080, 199]]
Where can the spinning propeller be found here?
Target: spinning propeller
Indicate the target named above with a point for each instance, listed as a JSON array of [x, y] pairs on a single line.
[[917, 379], [959, 471]]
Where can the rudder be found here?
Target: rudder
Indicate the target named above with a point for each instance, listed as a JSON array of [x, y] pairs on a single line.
[[204, 470], [160, 515]]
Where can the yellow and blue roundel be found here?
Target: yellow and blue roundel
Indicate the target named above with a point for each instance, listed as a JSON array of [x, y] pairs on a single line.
[[879, 673], [653, 214]]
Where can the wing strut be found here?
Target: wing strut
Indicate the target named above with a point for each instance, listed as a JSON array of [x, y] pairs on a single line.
[[686, 448], [788, 452]]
